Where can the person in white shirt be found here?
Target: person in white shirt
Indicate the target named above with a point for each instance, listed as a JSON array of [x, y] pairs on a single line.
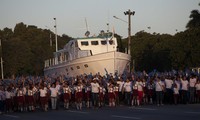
[[102, 91], [95, 91], [116, 91], [159, 91], [111, 95], [8, 100], [79, 95], [135, 100], [127, 91], [145, 91], [43, 98], [184, 90], [176, 94], [150, 87], [169, 91], [88, 95], [21, 98], [66, 95], [140, 86], [178, 83], [192, 82], [58, 87], [54, 95], [31, 101], [120, 83]]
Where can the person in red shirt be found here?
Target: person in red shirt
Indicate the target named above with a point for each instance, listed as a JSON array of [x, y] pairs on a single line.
[[20, 98], [66, 95], [111, 95], [79, 95], [31, 101], [43, 99], [88, 94]]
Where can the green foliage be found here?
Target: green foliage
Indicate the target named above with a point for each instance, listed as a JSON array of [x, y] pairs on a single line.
[[26, 48], [195, 20], [151, 51], [166, 52]]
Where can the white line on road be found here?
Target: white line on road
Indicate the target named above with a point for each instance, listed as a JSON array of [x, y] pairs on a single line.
[[193, 112], [125, 117], [142, 108], [78, 112], [13, 116]]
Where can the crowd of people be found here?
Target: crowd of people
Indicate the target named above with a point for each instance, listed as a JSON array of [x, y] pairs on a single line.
[[95, 91]]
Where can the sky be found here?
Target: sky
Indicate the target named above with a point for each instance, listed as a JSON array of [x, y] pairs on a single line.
[[163, 16]]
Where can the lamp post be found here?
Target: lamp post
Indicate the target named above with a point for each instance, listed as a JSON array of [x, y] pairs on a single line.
[[56, 34], [129, 13]]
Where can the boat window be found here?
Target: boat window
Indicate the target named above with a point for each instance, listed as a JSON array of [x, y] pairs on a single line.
[[72, 68], [94, 42], [86, 65], [78, 67], [103, 42], [84, 43], [111, 42]]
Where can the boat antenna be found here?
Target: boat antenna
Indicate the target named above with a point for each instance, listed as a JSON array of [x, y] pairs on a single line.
[[108, 23], [87, 33]]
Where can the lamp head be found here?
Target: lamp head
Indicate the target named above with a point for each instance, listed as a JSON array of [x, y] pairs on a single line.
[[133, 13]]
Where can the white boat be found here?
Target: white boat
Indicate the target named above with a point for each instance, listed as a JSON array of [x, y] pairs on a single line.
[[89, 55]]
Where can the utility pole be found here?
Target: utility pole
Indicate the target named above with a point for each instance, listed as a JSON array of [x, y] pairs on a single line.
[[129, 13], [2, 75]]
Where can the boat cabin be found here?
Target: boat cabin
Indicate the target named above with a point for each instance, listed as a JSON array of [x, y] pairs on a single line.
[[83, 47]]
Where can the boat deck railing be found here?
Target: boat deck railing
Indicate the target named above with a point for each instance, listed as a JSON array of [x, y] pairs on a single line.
[[60, 60]]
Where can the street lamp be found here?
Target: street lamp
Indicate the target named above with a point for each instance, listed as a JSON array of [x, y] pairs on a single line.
[[129, 13], [56, 35], [120, 19]]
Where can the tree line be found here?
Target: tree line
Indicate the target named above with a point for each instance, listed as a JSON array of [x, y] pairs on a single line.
[[25, 48], [165, 52]]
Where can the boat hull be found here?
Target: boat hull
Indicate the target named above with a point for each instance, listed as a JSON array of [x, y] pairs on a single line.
[[109, 62]]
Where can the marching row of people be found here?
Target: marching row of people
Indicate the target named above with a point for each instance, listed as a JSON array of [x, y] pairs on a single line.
[[97, 92]]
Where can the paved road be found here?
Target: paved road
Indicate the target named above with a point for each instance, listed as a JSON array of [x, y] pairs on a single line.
[[147, 112]]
